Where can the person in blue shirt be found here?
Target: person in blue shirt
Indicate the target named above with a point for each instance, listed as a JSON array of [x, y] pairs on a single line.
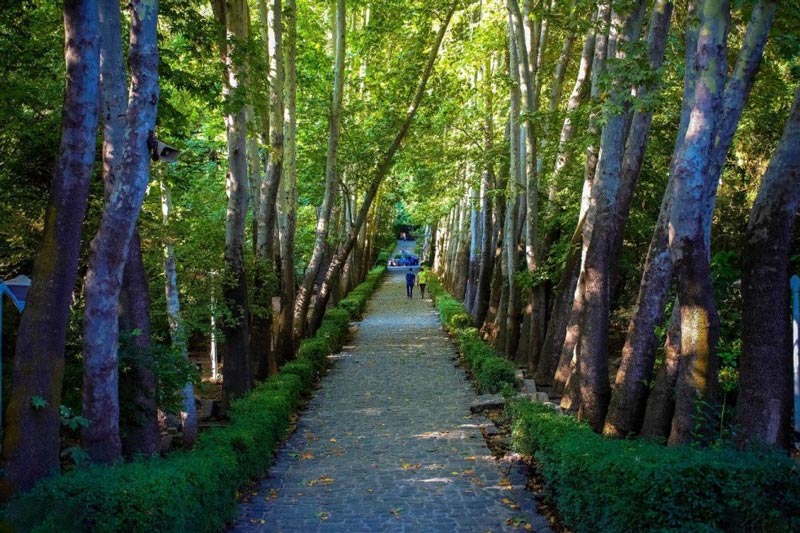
[[410, 279]]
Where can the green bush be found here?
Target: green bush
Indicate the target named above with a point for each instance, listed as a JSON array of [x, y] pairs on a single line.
[[599, 484], [194, 490], [492, 372]]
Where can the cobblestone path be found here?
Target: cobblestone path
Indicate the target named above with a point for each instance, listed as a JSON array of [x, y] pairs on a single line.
[[388, 442]]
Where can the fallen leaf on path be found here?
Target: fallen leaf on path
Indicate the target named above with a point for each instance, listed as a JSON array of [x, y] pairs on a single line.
[[323, 515], [510, 503], [307, 455], [333, 440], [271, 495], [325, 480], [409, 466]]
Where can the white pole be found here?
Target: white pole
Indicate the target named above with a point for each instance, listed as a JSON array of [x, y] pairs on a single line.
[[794, 283]]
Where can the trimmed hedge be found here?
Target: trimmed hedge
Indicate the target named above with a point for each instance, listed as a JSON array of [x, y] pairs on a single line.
[[191, 490], [600, 484], [605, 485], [492, 372]]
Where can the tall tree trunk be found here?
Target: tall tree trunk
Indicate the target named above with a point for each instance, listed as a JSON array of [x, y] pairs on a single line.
[[563, 154], [285, 342], [569, 351], [31, 437], [487, 181], [232, 15], [385, 163], [597, 237], [516, 183], [639, 134], [661, 400], [176, 329], [331, 176], [139, 432], [266, 251], [627, 403], [697, 370], [550, 353], [765, 388], [262, 361], [737, 89], [474, 248], [101, 438], [639, 351]]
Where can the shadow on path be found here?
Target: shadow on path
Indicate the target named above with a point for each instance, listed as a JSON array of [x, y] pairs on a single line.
[[388, 443]]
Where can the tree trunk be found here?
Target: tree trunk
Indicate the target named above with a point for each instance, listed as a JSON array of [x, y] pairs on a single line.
[[639, 351], [487, 180], [639, 134], [110, 246], [764, 404], [177, 332], [490, 327], [568, 128], [474, 249], [139, 429], [232, 14], [559, 319], [285, 342], [31, 437], [697, 370], [737, 89], [598, 233], [331, 176], [661, 400]]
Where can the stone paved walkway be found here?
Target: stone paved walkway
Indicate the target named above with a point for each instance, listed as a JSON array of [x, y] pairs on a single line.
[[388, 442]]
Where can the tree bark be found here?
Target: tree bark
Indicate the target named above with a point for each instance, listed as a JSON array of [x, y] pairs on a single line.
[[697, 370], [101, 438], [285, 342], [31, 439], [639, 351], [765, 397], [559, 319], [737, 89], [487, 180], [575, 99], [139, 430], [231, 15], [627, 403], [331, 175], [177, 331]]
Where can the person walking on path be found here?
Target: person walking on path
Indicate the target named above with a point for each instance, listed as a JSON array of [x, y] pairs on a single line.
[[422, 279], [410, 279]]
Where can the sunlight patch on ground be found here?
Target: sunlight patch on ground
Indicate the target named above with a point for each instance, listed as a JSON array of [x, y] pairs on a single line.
[[449, 435]]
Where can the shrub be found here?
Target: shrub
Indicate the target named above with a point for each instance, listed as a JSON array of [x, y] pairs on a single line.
[[599, 484], [194, 490], [492, 372]]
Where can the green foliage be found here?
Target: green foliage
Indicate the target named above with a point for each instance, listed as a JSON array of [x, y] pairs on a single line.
[[600, 484], [492, 372], [193, 490]]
